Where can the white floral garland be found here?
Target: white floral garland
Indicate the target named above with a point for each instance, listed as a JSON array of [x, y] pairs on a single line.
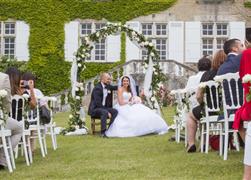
[[4, 116], [83, 54]]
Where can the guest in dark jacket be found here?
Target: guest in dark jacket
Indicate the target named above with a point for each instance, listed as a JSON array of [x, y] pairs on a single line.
[[233, 48]]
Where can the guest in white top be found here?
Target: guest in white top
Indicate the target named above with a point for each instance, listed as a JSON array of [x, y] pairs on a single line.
[[193, 82]]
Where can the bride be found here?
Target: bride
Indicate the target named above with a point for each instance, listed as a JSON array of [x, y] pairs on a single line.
[[134, 119]]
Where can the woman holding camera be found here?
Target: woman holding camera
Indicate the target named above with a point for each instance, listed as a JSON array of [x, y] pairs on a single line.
[[20, 87]]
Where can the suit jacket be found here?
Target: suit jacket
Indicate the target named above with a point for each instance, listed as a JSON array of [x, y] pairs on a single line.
[[231, 65], [5, 84], [97, 97]]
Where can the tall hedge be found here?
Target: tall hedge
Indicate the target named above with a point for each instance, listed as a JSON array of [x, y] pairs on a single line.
[[46, 19]]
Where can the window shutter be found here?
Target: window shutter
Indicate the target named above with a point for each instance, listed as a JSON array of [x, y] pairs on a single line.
[[132, 50], [113, 48], [237, 30], [192, 41], [176, 40], [22, 39], [71, 40]]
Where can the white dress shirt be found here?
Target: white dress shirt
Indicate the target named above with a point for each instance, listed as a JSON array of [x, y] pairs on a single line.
[[105, 92]]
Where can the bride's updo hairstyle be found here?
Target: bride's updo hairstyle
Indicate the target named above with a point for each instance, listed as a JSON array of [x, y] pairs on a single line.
[[129, 87]]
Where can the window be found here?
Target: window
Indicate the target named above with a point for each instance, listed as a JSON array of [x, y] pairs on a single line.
[[221, 29], [157, 35], [86, 29], [9, 47], [220, 43], [100, 47], [207, 29], [99, 26], [161, 29], [7, 39], [82, 42], [161, 48], [147, 29], [207, 46], [9, 28], [213, 37], [144, 54], [144, 51], [99, 51]]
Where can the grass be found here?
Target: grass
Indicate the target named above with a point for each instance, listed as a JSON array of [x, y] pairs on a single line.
[[147, 157]]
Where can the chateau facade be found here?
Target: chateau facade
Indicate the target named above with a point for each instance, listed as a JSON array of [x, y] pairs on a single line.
[[184, 33]]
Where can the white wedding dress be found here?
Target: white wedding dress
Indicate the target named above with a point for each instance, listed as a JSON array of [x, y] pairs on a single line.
[[135, 120]]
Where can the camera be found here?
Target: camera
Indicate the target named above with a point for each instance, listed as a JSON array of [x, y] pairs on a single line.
[[24, 84]]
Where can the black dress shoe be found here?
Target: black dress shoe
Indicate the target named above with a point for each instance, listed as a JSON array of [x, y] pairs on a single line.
[[103, 135], [172, 139], [191, 149], [2, 167]]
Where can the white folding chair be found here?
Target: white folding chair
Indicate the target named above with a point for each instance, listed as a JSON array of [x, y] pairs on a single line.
[[180, 117], [234, 103], [5, 143], [38, 130], [50, 127], [209, 123], [19, 103]]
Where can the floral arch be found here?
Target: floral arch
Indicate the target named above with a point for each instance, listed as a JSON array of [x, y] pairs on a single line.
[[153, 71]]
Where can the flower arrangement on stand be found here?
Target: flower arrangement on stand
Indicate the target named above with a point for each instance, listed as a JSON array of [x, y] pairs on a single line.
[[3, 112], [76, 121], [83, 53], [247, 79]]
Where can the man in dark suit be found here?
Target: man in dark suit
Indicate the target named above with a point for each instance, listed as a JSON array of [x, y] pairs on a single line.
[[101, 102], [233, 49]]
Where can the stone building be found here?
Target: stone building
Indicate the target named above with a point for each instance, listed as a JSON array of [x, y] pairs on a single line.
[[185, 32]]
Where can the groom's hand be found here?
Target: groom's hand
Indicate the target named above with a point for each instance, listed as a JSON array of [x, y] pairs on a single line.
[[109, 115]]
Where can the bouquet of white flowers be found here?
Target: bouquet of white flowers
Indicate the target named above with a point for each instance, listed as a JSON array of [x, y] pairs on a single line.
[[247, 79], [136, 100]]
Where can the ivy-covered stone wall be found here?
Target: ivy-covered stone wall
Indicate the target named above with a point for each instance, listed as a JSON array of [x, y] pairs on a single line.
[[46, 19]]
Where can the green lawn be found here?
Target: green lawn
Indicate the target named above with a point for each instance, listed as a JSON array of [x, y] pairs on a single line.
[[148, 157]]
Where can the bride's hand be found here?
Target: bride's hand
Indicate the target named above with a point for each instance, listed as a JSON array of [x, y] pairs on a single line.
[[136, 100], [130, 103]]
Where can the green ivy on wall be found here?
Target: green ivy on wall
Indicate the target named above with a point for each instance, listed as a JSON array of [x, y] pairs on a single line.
[[247, 4], [46, 19]]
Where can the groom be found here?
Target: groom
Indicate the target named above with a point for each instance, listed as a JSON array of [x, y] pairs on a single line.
[[101, 102]]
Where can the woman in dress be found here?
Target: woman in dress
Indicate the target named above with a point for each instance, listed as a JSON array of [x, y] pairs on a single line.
[[244, 113], [134, 119]]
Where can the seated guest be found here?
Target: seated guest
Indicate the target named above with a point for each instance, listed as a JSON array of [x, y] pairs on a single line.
[[196, 114], [28, 76], [233, 48], [193, 82], [244, 113], [203, 65], [15, 126], [21, 87], [17, 87]]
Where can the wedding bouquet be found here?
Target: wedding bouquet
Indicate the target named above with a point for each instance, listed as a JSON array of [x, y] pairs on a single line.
[[136, 100], [247, 79]]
